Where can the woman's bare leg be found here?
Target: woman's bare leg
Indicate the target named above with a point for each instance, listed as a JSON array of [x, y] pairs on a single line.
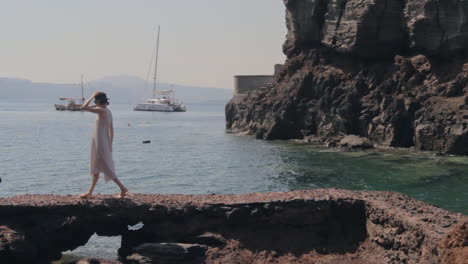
[[123, 190], [89, 194]]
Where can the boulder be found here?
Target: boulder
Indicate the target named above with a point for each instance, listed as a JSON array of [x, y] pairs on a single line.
[[210, 239], [354, 142], [13, 246], [238, 215], [169, 253]]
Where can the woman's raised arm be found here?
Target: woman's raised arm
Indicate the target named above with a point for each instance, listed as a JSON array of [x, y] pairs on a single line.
[[86, 107]]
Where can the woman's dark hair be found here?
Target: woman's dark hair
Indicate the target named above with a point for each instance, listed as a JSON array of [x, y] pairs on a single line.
[[101, 98]]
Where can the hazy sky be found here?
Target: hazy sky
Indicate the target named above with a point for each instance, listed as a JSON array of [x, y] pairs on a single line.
[[202, 43]]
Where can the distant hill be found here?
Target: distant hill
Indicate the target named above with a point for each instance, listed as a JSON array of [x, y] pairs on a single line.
[[121, 89]]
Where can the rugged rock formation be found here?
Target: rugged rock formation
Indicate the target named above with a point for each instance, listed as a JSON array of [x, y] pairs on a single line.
[[454, 247], [316, 226], [393, 71]]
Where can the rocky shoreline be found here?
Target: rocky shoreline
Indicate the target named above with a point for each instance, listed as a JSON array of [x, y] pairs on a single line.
[[394, 72], [362, 144], [313, 226]]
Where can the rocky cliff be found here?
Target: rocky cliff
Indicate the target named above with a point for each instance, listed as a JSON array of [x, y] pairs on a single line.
[[314, 226], [394, 71]]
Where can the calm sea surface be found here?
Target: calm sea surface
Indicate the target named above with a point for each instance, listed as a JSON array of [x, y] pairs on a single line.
[[44, 151]]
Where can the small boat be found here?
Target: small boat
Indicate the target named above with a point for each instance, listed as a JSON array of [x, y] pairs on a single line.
[[71, 104], [166, 103]]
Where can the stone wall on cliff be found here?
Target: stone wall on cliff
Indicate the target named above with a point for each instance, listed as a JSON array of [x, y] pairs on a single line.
[[393, 71]]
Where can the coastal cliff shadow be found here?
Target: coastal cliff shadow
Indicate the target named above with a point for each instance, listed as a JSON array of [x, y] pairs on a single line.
[[120, 201], [324, 227], [337, 230], [446, 70], [57, 230]]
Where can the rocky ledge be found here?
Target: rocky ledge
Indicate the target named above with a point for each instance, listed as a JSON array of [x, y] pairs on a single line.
[[313, 226], [392, 71]]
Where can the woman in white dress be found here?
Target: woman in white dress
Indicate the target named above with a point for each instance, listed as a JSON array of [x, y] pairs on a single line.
[[101, 145]]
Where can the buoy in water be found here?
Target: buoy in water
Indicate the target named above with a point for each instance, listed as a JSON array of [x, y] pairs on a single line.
[[146, 141]]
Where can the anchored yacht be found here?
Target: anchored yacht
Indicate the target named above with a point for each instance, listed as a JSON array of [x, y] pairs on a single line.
[[153, 105], [166, 101]]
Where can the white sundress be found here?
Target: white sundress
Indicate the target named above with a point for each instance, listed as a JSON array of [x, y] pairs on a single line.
[[101, 148]]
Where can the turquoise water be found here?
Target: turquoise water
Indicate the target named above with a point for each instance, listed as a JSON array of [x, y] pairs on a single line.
[[439, 180], [46, 151]]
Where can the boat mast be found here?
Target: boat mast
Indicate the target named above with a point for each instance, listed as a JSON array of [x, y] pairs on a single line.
[[82, 94], [156, 65]]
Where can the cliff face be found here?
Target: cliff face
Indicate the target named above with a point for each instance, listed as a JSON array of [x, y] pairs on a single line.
[[394, 71]]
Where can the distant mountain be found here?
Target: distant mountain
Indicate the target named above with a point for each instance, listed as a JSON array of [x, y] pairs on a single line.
[[122, 80], [21, 89], [121, 89], [138, 89]]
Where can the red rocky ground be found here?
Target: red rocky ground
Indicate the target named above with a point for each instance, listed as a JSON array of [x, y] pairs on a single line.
[[314, 226]]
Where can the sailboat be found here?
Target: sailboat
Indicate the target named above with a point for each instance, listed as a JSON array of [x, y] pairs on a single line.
[[166, 103], [71, 102]]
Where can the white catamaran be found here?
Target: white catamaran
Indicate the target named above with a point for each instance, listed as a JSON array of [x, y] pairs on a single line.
[[166, 103]]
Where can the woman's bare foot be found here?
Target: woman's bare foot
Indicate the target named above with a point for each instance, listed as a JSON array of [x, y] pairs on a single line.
[[86, 196], [122, 194]]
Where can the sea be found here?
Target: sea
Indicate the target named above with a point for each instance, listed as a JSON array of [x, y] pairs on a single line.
[[44, 151]]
